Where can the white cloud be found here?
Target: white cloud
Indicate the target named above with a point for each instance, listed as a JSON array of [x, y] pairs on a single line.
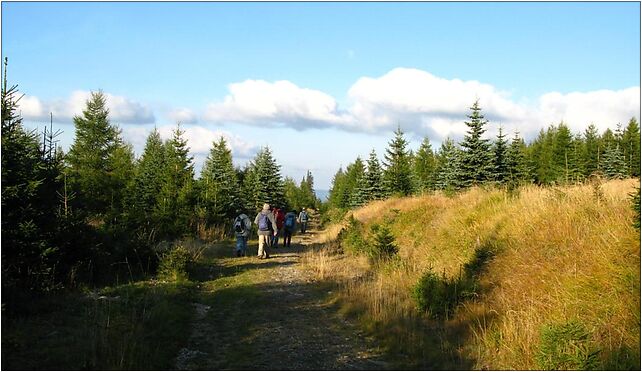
[[183, 115], [278, 103], [200, 140], [121, 109], [604, 108]]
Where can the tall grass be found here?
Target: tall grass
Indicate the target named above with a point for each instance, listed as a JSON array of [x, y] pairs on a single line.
[[560, 255]]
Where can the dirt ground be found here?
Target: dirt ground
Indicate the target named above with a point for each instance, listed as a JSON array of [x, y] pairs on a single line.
[[270, 315]]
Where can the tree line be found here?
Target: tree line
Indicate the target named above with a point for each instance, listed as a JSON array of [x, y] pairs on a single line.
[[556, 156], [97, 210]]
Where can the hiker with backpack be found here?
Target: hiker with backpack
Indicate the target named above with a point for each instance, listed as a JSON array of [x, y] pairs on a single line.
[[303, 220], [279, 216], [265, 220], [289, 225], [242, 228]]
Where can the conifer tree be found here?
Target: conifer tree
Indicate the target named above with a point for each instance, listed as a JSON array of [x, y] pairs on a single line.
[[541, 156], [306, 189], [373, 179], [219, 184], [424, 167], [590, 150], [397, 174], [631, 147], [268, 183], [355, 173], [563, 154], [449, 166], [248, 188], [359, 196], [517, 163], [38, 245], [177, 199], [143, 203], [501, 170], [476, 156], [613, 163], [337, 197], [93, 175]]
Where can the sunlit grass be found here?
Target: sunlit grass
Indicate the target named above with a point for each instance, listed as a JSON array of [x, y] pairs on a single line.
[[563, 253]]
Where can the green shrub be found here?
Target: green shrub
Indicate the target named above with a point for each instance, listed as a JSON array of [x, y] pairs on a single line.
[[383, 245], [351, 237], [435, 295], [175, 264], [566, 346]]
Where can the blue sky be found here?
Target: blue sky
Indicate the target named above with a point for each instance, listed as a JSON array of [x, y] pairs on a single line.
[[321, 83]]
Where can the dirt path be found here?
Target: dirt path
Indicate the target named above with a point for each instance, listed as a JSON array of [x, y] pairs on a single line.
[[270, 315]]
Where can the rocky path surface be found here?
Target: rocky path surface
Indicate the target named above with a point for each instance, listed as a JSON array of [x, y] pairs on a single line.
[[271, 315]]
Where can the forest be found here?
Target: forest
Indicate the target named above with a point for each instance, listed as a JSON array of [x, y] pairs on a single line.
[[110, 228], [93, 213]]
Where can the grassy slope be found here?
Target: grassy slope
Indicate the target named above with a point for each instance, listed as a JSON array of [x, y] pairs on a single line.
[[563, 254]]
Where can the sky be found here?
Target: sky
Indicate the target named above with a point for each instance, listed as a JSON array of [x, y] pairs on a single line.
[[323, 83]]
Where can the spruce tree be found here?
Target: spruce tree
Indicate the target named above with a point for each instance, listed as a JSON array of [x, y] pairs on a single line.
[[90, 157], [355, 173], [631, 147], [177, 199], [613, 163], [337, 191], [476, 156], [306, 189], [143, 203], [541, 156], [373, 179], [501, 171], [359, 195], [590, 150], [424, 167], [219, 184], [268, 183], [517, 162], [397, 174], [563, 154], [449, 166]]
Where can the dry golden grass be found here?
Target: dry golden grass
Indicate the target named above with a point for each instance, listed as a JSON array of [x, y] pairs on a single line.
[[564, 253]]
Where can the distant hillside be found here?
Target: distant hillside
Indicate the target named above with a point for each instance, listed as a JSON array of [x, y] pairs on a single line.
[[322, 194], [555, 278]]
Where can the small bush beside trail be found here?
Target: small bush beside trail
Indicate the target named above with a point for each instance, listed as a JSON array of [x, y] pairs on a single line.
[[566, 346], [175, 264]]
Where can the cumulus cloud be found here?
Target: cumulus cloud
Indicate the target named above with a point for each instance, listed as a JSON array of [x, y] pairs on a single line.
[[422, 103], [200, 139], [278, 103], [183, 115], [121, 109], [604, 108]]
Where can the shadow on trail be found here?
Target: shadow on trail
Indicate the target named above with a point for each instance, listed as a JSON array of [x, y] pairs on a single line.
[[277, 326], [206, 271]]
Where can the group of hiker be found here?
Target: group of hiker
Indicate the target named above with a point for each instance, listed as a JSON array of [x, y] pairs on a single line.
[[272, 222]]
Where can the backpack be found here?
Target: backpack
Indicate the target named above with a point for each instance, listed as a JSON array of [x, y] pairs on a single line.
[[289, 222], [304, 216], [239, 225], [264, 222]]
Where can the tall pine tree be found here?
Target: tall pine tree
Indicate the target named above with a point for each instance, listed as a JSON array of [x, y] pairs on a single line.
[[449, 166], [99, 162], [631, 147], [476, 156], [219, 184], [397, 174], [424, 167], [373, 179], [500, 169]]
